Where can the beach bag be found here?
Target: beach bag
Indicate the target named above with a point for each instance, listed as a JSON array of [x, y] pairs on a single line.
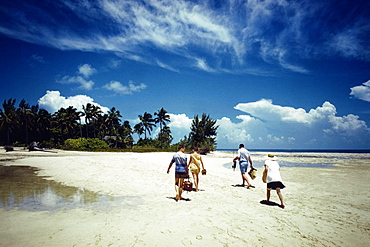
[[253, 173], [187, 185]]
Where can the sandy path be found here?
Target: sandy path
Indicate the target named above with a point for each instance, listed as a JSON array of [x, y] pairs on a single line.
[[324, 206]]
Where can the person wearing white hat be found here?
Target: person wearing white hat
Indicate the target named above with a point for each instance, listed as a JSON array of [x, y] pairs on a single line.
[[273, 179]]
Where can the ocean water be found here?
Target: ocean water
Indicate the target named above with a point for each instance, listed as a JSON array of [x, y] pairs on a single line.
[[361, 151], [303, 157]]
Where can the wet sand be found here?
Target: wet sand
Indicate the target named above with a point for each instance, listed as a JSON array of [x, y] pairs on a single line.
[[325, 206]]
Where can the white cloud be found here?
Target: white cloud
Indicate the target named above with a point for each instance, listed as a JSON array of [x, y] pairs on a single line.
[[86, 70], [362, 92], [179, 125], [180, 121], [117, 87], [265, 110], [273, 126], [84, 84], [347, 124], [52, 101]]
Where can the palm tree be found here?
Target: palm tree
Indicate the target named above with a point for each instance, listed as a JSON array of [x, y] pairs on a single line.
[[165, 136], [125, 132], [66, 121], [139, 129], [26, 117], [113, 123], [203, 132], [147, 123], [8, 118], [162, 118], [87, 111], [101, 125], [96, 113], [43, 123]]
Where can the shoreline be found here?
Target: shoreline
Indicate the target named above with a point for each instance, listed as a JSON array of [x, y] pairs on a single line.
[[325, 206]]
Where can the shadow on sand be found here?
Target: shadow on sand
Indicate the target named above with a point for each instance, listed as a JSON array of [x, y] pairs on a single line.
[[270, 203], [182, 199]]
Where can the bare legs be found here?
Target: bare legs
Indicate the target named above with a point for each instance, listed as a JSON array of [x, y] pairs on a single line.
[[246, 177], [268, 194], [280, 197], [196, 180], [178, 187]]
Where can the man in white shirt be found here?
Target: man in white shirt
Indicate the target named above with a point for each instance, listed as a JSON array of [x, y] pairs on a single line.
[[244, 159]]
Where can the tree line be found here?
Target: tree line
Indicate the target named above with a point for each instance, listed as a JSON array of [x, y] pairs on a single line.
[[22, 124]]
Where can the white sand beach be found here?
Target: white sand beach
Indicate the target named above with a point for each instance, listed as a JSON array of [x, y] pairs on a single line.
[[325, 206]]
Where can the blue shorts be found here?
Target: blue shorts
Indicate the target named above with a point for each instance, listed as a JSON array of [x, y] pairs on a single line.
[[243, 166]]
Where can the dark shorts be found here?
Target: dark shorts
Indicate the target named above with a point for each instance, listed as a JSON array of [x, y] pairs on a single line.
[[181, 175], [274, 185]]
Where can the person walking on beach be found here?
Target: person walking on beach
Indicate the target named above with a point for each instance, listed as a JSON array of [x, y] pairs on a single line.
[[194, 166], [244, 158], [273, 179], [181, 170]]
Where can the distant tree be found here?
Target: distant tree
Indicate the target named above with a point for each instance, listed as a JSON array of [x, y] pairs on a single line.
[[25, 116], [203, 132], [87, 111], [139, 129], [8, 118], [43, 124], [164, 137], [125, 131], [162, 118], [64, 122], [113, 123], [96, 114], [92, 114], [147, 122]]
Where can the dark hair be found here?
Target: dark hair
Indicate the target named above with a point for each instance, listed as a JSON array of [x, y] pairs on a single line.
[[181, 146], [195, 149], [241, 145]]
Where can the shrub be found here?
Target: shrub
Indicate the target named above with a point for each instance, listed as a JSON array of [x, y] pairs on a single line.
[[85, 144]]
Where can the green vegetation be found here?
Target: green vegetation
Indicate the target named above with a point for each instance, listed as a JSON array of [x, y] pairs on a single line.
[[203, 134], [66, 129], [85, 144]]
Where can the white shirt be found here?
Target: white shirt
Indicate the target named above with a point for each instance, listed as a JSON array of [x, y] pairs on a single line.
[[273, 173], [243, 155]]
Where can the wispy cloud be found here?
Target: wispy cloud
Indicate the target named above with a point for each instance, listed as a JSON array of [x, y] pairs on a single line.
[[38, 58], [228, 38], [117, 87]]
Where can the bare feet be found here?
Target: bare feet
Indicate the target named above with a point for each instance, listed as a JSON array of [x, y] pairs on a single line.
[[250, 186]]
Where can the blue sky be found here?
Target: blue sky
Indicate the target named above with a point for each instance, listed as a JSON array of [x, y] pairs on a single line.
[[274, 73]]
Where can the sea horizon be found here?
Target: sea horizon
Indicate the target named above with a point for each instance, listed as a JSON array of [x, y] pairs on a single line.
[[298, 150]]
